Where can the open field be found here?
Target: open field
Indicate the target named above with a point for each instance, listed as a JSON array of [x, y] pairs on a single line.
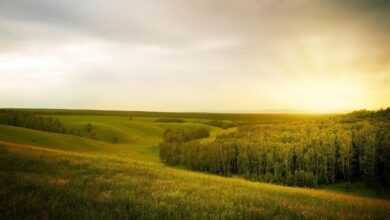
[[61, 176], [195, 109]]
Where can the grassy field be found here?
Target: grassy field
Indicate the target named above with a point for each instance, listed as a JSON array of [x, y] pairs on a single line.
[[57, 176]]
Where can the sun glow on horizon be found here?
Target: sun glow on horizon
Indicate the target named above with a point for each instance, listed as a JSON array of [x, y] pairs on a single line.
[[324, 96]]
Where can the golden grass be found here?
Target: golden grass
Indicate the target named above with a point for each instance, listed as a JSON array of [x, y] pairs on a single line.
[[176, 194]]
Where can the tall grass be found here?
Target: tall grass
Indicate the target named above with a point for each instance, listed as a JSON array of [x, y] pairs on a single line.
[[41, 183]]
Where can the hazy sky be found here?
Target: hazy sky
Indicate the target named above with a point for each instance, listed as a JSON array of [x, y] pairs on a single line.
[[195, 55]]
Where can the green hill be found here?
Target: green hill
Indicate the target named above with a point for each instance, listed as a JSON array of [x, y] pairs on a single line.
[[60, 176]]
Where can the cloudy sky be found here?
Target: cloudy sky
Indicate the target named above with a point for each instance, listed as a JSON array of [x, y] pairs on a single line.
[[195, 55]]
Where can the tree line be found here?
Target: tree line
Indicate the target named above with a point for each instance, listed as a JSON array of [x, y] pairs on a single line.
[[48, 124], [32, 121], [293, 153]]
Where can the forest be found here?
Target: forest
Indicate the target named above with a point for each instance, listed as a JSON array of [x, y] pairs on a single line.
[[348, 148]]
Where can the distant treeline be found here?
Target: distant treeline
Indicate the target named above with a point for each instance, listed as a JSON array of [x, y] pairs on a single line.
[[32, 121], [382, 115], [294, 153], [246, 117], [47, 123]]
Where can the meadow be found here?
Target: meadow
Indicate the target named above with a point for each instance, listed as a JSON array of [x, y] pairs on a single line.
[[106, 165]]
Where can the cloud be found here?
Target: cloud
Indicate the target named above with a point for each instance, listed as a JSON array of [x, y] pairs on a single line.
[[151, 53]]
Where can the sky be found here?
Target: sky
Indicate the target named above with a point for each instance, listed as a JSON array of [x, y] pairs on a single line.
[[196, 55]]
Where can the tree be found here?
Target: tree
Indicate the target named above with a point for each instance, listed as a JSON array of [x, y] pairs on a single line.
[[88, 128]]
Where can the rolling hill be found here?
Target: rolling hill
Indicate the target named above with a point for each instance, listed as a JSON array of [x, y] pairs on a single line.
[[48, 175]]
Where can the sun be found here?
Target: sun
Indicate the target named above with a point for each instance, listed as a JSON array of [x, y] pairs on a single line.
[[325, 96]]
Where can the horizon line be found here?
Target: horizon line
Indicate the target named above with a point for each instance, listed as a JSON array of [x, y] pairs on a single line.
[[195, 112]]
